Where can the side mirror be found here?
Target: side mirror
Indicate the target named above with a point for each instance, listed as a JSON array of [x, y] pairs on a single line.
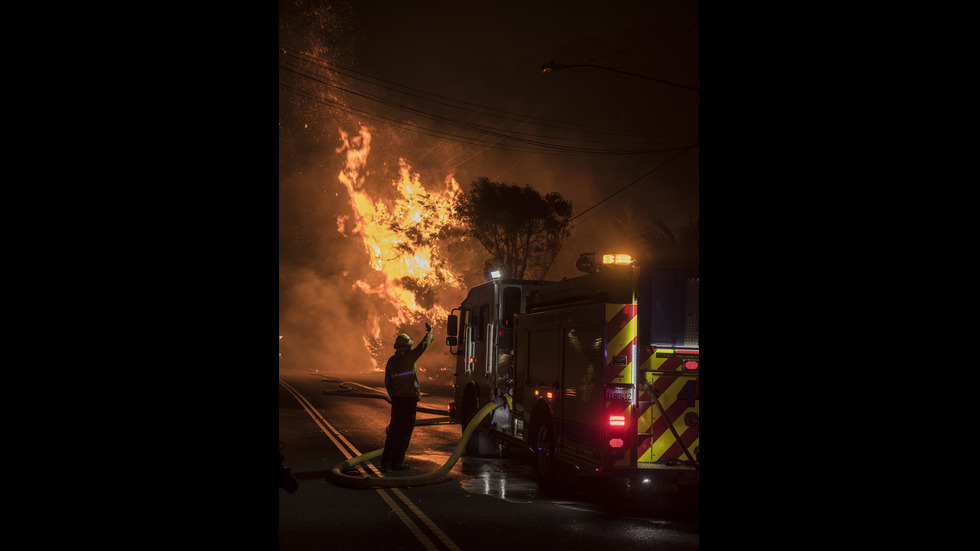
[[451, 341], [452, 326]]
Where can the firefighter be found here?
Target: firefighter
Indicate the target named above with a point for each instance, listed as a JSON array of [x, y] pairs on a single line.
[[402, 383]]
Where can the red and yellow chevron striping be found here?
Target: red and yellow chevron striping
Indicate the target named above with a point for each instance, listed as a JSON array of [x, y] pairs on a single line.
[[678, 392], [620, 342]]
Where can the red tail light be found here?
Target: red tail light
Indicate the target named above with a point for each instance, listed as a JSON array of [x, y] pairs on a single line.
[[691, 364], [617, 421], [616, 443]]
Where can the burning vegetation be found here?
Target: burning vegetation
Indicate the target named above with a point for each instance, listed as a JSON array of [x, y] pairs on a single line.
[[401, 234]]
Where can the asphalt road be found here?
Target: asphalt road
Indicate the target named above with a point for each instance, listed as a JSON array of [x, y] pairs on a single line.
[[484, 503]]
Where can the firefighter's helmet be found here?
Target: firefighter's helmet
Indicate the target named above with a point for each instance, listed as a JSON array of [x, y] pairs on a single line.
[[403, 341]]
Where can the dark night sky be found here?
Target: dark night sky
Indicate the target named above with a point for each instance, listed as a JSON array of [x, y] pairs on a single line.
[[488, 54]]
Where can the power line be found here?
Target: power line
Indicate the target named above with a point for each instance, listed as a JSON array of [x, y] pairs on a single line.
[[513, 134], [456, 103], [636, 181], [530, 145], [516, 140], [552, 66]]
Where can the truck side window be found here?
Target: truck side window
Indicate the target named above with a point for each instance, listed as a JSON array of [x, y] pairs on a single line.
[[511, 306], [484, 319]]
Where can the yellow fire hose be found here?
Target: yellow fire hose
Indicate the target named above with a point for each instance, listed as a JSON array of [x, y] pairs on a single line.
[[338, 477]]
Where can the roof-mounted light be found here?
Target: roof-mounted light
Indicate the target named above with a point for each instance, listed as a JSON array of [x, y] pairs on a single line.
[[589, 262], [617, 259]]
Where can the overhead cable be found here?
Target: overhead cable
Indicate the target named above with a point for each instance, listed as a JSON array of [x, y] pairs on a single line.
[[487, 136]]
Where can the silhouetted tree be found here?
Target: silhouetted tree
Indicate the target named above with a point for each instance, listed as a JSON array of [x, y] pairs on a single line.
[[655, 244], [521, 230]]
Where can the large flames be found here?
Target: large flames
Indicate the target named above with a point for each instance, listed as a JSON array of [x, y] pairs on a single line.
[[399, 231]]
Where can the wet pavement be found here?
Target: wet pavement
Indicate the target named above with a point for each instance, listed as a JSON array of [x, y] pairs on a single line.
[[509, 475], [483, 503], [503, 479], [512, 480]]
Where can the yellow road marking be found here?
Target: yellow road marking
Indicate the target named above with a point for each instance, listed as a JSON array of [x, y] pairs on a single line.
[[334, 435]]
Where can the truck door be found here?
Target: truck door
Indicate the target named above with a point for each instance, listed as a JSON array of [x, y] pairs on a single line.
[[478, 332], [486, 339], [484, 360], [469, 343], [509, 307]]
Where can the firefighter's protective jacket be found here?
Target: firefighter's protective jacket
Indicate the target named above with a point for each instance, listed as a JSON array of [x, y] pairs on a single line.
[[401, 376]]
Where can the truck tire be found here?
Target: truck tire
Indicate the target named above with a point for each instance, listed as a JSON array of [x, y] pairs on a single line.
[[545, 466]]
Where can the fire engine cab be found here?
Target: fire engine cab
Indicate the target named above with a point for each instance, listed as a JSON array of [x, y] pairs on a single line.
[[600, 372]]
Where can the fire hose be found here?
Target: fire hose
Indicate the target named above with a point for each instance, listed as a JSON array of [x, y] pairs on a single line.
[[338, 476]]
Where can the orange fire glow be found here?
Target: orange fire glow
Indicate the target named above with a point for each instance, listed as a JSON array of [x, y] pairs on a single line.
[[399, 233]]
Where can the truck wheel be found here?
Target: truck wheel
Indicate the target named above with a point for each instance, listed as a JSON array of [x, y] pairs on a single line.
[[544, 455]]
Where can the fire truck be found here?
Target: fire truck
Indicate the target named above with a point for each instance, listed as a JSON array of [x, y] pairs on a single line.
[[598, 372]]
